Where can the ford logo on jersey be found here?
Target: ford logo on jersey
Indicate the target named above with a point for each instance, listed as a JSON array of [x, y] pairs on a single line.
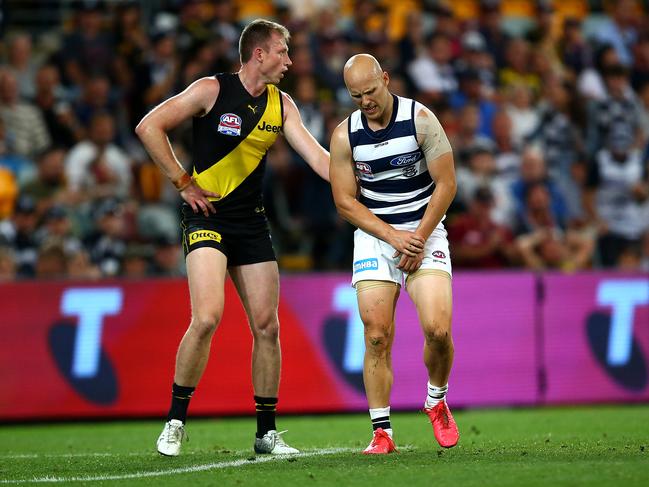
[[230, 124], [405, 159], [366, 265]]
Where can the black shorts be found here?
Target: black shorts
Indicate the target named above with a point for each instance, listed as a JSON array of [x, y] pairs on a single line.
[[243, 239]]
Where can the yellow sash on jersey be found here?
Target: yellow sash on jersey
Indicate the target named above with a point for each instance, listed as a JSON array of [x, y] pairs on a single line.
[[228, 173]]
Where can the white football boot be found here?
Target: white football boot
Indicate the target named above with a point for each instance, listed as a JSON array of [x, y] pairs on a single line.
[[272, 443], [171, 438]]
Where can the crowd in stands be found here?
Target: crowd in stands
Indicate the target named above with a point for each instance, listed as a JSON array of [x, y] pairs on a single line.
[[547, 112]]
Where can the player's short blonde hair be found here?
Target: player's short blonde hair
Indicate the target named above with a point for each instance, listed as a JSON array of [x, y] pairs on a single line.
[[257, 33]]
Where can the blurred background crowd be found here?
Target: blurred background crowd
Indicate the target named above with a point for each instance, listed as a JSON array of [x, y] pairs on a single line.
[[546, 105]]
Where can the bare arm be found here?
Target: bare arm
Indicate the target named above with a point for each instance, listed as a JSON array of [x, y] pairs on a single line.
[[588, 200], [441, 166], [589, 197], [582, 247], [344, 187], [196, 100], [439, 160], [527, 246], [302, 141]]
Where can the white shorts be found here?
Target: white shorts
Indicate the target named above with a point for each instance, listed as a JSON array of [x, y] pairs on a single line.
[[373, 259]]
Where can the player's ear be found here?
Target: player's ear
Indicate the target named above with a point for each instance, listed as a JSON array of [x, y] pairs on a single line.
[[386, 78], [258, 54]]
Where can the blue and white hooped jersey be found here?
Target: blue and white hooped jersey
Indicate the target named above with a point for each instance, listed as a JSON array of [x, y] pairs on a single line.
[[394, 179]]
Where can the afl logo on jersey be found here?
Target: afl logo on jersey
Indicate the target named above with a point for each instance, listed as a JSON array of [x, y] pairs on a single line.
[[405, 159], [365, 169], [230, 124]]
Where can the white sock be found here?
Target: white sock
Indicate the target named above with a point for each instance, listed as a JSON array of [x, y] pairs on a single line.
[[381, 419], [435, 395]]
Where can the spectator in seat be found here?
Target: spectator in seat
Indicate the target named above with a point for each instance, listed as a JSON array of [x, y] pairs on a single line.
[[617, 195], [22, 119], [479, 242], [107, 244], [19, 233], [97, 167], [7, 264], [543, 244], [51, 262]]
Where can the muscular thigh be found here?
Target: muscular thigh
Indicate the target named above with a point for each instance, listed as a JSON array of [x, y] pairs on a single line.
[[377, 303], [258, 288], [432, 294], [206, 268]]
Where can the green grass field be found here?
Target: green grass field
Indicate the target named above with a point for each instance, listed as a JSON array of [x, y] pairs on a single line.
[[594, 446]]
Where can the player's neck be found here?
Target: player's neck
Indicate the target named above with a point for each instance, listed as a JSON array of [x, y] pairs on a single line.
[[251, 80], [386, 116]]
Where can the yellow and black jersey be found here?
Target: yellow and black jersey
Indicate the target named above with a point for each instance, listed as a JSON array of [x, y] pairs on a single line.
[[231, 142]]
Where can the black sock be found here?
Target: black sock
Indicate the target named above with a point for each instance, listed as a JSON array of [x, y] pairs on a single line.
[[180, 396], [265, 407], [382, 422]]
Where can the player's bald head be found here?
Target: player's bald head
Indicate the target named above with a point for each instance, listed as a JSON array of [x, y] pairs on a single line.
[[367, 84], [361, 68]]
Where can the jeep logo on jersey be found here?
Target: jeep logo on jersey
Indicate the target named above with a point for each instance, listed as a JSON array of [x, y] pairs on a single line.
[[268, 127], [439, 254], [405, 159], [230, 124], [364, 168]]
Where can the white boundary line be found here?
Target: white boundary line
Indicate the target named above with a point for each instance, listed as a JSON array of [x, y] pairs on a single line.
[[18, 456], [180, 470]]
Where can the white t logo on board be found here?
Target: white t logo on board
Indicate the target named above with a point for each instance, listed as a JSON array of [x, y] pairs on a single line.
[[91, 305]]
